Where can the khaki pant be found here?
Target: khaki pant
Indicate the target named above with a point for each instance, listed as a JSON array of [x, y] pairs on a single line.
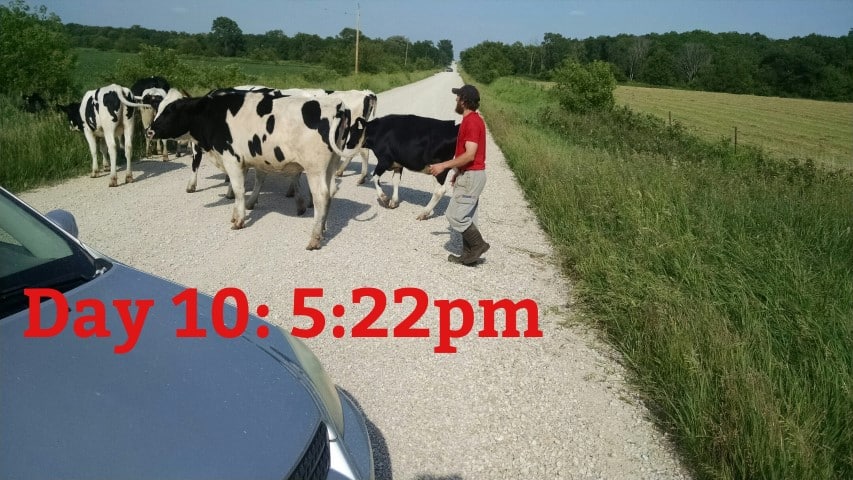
[[462, 210]]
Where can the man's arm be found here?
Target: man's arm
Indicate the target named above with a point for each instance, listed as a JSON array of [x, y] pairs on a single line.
[[460, 161]]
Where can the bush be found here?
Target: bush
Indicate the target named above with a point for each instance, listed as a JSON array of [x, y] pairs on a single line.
[[585, 88], [35, 54]]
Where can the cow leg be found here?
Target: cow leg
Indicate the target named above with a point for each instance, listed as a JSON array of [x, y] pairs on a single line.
[[105, 155], [365, 156], [395, 180], [93, 150], [236, 173], [380, 195], [293, 191], [342, 165], [194, 166], [437, 193], [128, 152], [110, 139], [318, 182], [260, 176], [165, 149]]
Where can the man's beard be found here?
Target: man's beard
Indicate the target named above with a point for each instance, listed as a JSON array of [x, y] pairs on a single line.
[[459, 108]]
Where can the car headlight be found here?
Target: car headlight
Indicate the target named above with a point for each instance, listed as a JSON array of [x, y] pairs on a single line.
[[320, 379]]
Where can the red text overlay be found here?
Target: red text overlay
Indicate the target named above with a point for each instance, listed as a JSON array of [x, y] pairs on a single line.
[[447, 319]]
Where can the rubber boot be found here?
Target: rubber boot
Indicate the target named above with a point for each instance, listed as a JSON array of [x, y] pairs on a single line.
[[466, 247], [477, 245]]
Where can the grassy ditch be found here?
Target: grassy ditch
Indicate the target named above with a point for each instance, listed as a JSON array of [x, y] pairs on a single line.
[[725, 279]]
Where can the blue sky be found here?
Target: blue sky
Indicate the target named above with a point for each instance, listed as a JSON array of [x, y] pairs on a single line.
[[469, 22]]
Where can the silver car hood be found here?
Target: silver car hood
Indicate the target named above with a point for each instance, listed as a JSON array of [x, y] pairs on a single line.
[[169, 408]]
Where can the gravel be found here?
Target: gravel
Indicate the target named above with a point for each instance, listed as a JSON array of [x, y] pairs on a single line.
[[546, 408]]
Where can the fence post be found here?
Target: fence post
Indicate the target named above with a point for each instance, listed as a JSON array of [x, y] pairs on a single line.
[[735, 139]]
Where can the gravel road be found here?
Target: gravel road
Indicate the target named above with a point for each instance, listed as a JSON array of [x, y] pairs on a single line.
[[532, 408]]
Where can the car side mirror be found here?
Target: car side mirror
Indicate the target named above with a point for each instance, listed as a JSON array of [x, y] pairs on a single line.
[[64, 220]]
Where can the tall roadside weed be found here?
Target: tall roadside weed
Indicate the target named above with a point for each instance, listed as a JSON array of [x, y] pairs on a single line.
[[725, 279]]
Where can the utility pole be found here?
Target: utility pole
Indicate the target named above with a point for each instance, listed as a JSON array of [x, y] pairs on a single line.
[[357, 26], [406, 60]]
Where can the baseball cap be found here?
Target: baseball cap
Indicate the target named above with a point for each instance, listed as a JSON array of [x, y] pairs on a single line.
[[468, 93]]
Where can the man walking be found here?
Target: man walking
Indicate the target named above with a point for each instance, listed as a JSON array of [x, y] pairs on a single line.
[[470, 162]]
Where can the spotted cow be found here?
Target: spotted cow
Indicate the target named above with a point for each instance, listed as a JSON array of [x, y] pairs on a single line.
[[411, 142], [103, 115], [152, 87], [241, 130]]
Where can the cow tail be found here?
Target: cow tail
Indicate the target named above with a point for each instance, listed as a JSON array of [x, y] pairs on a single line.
[[127, 94], [340, 130]]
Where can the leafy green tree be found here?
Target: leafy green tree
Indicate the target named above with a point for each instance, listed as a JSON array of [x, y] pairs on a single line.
[[227, 37], [445, 49], [35, 52], [659, 68], [585, 88], [487, 61]]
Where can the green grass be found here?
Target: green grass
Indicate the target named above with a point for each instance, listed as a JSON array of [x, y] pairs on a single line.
[[36, 150], [725, 280], [783, 127]]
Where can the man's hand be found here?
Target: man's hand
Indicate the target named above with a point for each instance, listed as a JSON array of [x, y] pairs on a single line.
[[436, 169]]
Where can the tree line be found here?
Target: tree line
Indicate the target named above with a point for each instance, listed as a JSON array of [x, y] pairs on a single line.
[[226, 39], [815, 67]]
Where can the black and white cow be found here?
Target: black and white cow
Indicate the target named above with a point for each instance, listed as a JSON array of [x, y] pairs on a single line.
[[362, 103], [103, 115], [242, 130], [153, 87], [152, 96], [414, 143]]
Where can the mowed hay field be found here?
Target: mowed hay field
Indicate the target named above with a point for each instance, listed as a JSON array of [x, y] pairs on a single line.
[[783, 127]]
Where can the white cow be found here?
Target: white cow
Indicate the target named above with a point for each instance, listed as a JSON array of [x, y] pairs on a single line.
[[104, 114], [241, 130]]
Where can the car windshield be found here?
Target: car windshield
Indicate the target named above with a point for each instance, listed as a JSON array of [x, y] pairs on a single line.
[[34, 254]]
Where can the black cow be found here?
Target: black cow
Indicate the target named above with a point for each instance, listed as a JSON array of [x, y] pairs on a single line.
[[143, 84], [33, 103], [414, 143], [242, 130]]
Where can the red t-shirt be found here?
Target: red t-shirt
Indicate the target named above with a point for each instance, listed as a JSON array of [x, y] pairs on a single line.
[[472, 129]]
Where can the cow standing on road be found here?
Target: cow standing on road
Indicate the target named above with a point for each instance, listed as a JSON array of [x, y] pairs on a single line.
[[103, 115], [152, 87], [242, 130], [414, 143]]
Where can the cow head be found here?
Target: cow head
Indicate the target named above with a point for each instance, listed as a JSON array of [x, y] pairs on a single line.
[[72, 112], [173, 119]]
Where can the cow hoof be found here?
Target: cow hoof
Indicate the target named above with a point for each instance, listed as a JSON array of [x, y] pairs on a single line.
[[113, 182], [424, 215], [301, 211], [314, 244], [94, 175], [250, 206], [229, 197], [128, 179], [360, 181], [190, 189]]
